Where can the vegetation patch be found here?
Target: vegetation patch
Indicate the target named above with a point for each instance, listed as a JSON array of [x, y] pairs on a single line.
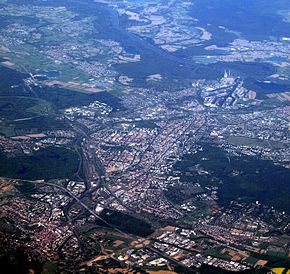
[[48, 163]]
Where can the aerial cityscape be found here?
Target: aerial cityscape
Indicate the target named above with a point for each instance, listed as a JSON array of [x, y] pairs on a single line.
[[145, 136]]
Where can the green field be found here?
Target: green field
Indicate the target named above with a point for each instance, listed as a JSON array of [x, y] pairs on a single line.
[[256, 180], [25, 110], [48, 163], [33, 125], [126, 223], [18, 107], [246, 141]]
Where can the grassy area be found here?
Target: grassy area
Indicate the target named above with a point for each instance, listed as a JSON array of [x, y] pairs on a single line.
[[7, 129], [257, 179], [247, 141], [115, 242], [18, 107], [49, 268], [38, 124], [24, 110], [127, 223], [48, 163], [217, 254]]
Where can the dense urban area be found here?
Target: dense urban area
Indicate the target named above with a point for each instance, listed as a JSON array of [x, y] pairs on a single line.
[[137, 137]]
